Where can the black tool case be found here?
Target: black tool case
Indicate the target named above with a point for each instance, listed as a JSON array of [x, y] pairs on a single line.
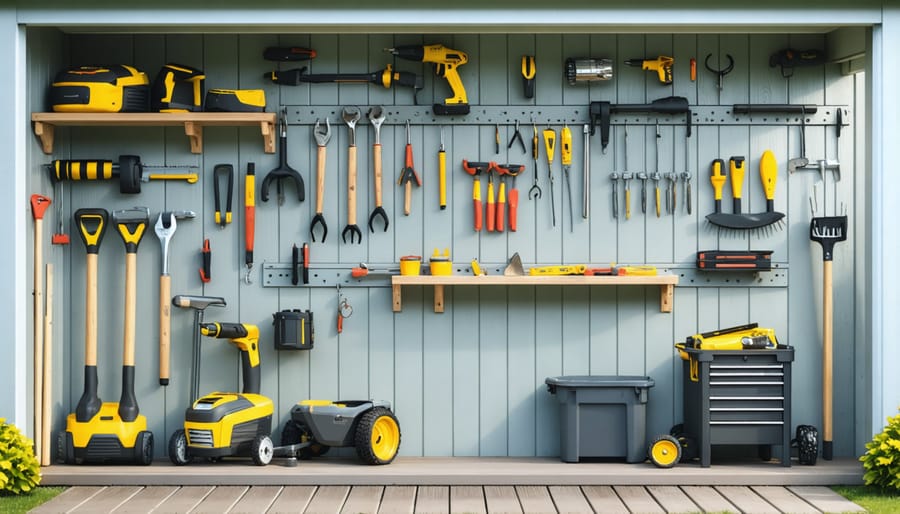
[[738, 397]]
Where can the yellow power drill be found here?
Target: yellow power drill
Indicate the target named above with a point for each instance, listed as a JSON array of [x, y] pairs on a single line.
[[662, 65], [445, 61], [244, 337]]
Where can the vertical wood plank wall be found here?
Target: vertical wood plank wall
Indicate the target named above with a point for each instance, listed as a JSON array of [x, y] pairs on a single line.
[[469, 381]]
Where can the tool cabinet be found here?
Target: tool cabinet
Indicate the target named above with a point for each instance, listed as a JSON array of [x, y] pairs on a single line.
[[738, 397]]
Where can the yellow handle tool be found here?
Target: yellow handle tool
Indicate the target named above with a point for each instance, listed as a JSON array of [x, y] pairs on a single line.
[[565, 136], [717, 178], [736, 168], [442, 173], [550, 146], [558, 270], [768, 173]]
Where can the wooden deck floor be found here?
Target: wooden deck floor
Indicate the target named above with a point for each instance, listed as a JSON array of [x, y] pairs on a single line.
[[507, 499]]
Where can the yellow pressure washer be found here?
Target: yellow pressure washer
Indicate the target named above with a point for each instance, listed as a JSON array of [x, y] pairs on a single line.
[[117, 88], [99, 432]]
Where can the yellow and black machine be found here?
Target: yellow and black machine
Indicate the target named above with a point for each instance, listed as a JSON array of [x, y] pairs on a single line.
[[117, 88], [229, 424], [99, 432]]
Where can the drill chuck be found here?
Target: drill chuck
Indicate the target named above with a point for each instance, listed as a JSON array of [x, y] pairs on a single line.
[[588, 70], [224, 330]]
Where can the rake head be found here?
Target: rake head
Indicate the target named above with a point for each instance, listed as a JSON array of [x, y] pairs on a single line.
[[828, 230]]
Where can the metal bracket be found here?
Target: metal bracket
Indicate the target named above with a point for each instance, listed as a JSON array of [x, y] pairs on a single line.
[[692, 277], [558, 115]]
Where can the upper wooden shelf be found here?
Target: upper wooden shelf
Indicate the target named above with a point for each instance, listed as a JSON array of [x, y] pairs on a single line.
[[45, 122], [666, 282]]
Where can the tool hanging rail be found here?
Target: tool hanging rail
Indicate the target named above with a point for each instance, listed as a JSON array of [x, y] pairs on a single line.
[[816, 115], [193, 122]]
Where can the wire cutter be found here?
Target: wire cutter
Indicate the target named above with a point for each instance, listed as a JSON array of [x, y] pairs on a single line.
[[517, 137]]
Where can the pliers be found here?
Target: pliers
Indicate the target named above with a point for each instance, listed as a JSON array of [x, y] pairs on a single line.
[[517, 137]]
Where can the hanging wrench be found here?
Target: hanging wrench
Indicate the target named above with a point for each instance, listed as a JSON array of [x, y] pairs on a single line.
[[376, 118], [322, 138], [535, 191], [351, 115]]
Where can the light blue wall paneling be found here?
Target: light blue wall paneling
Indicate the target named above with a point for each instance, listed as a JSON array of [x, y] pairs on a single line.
[[469, 381]]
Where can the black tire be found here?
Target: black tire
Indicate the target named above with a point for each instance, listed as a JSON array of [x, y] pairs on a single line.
[[61, 448], [664, 451], [294, 433], [70, 449], [807, 444], [377, 437], [129, 174], [261, 450], [689, 449], [144, 448], [179, 453], [677, 430]]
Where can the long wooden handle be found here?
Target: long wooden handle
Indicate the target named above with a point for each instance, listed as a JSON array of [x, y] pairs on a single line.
[[351, 185], [827, 354], [165, 325], [46, 401], [90, 312], [130, 308], [38, 314], [321, 154], [376, 155], [407, 198]]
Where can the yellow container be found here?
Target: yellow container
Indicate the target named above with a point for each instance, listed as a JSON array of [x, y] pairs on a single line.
[[441, 264], [410, 264]]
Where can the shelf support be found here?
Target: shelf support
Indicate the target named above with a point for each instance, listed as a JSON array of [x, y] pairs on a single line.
[[267, 129], [45, 132], [395, 295], [194, 132], [666, 297]]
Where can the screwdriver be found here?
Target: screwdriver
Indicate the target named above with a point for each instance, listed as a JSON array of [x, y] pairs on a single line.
[[442, 172], [565, 136], [550, 144]]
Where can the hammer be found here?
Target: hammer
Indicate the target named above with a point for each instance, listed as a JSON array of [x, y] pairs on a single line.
[[199, 304], [165, 229]]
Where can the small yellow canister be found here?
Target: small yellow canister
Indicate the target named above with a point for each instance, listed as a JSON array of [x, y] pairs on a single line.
[[410, 264]]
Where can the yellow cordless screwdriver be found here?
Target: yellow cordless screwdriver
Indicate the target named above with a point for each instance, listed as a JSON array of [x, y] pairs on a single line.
[[550, 145], [717, 178], [565, 136], [442, 172]]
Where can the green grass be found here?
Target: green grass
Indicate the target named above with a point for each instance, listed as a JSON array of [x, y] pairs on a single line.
[[26, 502], [873, 499]]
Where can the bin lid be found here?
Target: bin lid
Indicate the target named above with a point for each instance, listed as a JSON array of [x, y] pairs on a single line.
[[600, 381]]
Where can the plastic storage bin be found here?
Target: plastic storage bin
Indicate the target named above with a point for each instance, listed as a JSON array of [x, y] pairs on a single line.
[[602, 416]]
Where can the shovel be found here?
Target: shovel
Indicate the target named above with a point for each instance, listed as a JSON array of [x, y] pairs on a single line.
[[827, 231]]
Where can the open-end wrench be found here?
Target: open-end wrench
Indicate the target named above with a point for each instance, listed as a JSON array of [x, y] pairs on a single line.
[[376, 118], [686, 178], [322, 137], [165, 229], [351, 115], [642, 175]]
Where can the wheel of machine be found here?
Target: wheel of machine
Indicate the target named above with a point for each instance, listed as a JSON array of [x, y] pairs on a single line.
[[377, 436], [179, 453], [807, 444], [295, 433], [69, 455], [677, 430], [129, 174], [61, 448], [689, 449], [664, 451], [261, 450], [144, 448]]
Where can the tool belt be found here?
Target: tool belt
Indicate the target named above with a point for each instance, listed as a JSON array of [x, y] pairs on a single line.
[[294, 330]]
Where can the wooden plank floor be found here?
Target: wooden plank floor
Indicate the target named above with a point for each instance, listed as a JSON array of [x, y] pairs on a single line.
[[447, 499]]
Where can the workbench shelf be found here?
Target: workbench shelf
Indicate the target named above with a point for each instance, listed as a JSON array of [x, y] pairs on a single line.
[[45, 124], [666, 284]]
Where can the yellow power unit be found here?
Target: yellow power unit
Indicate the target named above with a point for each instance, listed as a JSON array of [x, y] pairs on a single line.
[[117, 88]]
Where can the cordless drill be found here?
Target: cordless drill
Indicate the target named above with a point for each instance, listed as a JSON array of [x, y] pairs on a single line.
[[244, 337], [662, 65], [445, 62]]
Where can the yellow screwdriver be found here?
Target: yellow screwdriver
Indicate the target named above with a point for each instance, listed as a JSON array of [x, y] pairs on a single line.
[[442, 172], [565, 135], [550, 145]]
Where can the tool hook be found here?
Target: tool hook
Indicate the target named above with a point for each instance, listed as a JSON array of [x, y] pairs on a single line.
[[535, 191], [378, 211], [724, 71], [318, 219], [353, 230]]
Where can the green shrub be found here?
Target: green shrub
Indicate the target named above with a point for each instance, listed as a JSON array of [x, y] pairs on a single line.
[[20, 471], [882, 457]]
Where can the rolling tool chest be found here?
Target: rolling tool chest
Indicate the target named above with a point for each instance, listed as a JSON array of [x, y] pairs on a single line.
[[738, 397]]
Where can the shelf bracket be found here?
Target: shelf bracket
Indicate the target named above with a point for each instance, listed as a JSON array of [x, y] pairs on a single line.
[[395, 296], [666, 297], [194, 132], [45, 132], [267, 129]]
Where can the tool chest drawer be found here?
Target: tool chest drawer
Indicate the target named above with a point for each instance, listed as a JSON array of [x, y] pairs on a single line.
[[738, 397]]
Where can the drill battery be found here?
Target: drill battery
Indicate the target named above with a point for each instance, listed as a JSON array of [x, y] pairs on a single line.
[[294, 330], [235, 100], [116, 88]]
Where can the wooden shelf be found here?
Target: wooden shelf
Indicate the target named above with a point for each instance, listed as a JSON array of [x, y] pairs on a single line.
[[46, 122], [666, 284]]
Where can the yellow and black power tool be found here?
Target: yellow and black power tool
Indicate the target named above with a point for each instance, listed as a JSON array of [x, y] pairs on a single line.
[[177, 88], [741, 337], [229, 424], [235, 100], [445, 62], [117, 88]]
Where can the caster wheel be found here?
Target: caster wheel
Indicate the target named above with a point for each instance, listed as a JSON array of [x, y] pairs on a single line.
[[295, 433], [178, 449], [378, 436], [261, 450], [807, 444], [664, 451], [144, 448]]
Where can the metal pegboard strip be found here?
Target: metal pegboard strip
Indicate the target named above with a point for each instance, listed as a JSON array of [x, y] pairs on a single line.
[[558, 115], [278, 274]]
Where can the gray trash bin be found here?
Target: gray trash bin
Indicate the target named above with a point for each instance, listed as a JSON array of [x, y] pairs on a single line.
[[602, 416]]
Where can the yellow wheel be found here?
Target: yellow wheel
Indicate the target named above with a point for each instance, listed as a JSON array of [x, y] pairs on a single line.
[[665, 451], [378, 436]]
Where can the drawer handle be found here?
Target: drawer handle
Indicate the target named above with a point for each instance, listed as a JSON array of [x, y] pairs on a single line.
[[746, 383], [746, 422], [772, 398], [746, 409]]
